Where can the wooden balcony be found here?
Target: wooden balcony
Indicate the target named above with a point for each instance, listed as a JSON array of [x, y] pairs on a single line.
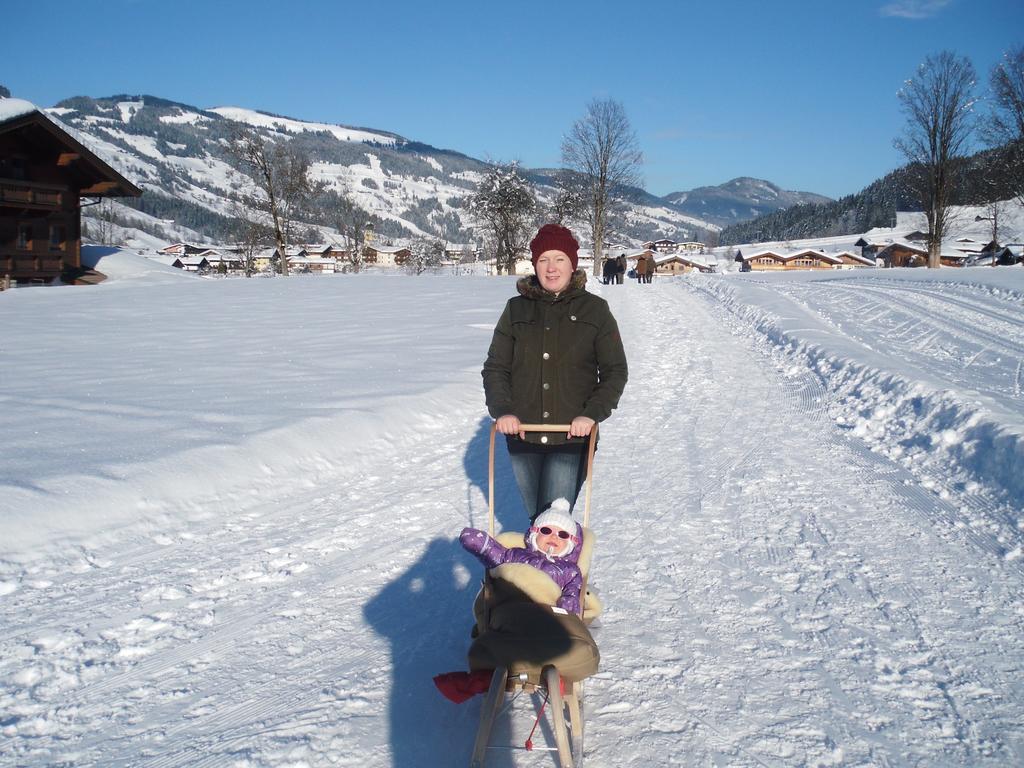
[[28, 194]]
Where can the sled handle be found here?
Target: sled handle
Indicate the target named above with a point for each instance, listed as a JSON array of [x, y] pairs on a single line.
[[592, 444]]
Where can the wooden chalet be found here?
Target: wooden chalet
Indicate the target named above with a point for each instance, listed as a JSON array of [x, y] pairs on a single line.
[[770, 260], [762, 261], [851, 260], [677, 264], [184, 249], [812, 258], [44, 173], [901, 253]]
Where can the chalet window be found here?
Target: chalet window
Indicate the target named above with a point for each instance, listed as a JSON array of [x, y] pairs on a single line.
[[24, 237], [58, 236], [13, 168]]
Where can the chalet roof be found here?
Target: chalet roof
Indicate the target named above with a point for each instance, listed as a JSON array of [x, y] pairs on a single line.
[[682, 259], [40, 131], [814, 253], [388, 248], [906, 245], [762, 252], [191, 261], [855, 256]]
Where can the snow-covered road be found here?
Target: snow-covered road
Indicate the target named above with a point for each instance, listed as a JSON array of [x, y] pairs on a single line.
[[804, 556]]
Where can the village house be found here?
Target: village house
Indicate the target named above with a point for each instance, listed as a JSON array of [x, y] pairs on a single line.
[[460, 251], [663, 246], [671, 246], [184, 249], [312, 264], [851, 260], [763, 260], [193, 263], [44, 174], [386, 255], [678, 264]]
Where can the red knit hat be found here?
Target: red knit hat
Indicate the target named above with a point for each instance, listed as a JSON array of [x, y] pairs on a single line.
[[553, 237]]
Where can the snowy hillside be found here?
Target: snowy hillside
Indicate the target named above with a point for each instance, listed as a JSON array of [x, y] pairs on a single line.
[[230, 516], [175, 153]]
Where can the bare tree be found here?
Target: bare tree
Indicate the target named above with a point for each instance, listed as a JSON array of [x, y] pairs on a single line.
[[570, 202], [602, 148], [99, 225], [1005, 124], [281, 173], [250, 237], [504, 204], [937, 103], [353, 223]]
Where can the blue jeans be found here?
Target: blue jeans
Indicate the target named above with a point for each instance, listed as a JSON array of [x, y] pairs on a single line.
[[544, 477]]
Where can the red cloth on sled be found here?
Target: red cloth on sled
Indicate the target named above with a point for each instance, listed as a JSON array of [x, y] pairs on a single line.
[[462, 686]]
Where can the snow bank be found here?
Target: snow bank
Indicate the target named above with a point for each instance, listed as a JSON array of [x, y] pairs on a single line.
[[909, 415]]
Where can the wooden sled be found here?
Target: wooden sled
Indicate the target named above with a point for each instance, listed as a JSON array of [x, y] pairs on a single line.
[[561, 692]]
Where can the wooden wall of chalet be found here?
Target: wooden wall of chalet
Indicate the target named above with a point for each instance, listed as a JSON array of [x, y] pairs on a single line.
[[765, 264], [40, 233]]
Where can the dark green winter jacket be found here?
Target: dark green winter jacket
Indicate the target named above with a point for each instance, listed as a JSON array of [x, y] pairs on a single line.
[[553, 358]]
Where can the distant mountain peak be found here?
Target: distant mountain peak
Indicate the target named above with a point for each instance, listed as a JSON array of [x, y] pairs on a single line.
[[738, 199]]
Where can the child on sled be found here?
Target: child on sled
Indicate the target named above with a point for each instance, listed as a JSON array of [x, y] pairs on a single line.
[[551, 545]]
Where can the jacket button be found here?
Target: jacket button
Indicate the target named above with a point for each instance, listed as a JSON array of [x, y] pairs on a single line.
[[546, 355], [546, 414], [573, 318], [544, 439], [546, 385]]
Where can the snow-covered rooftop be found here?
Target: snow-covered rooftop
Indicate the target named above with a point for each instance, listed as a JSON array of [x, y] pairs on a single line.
[[12, 108]]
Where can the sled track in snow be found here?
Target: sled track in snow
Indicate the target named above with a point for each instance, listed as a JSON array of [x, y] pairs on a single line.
[[968, 332]]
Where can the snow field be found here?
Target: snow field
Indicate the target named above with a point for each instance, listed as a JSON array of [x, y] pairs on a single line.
[[231, 520]]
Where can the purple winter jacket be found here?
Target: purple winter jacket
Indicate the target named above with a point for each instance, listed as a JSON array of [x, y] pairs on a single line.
[[491, 553]]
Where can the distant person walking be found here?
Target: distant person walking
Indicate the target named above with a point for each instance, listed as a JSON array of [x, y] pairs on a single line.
[[651, 267], [641, 269], [608, 271], [620, 268]]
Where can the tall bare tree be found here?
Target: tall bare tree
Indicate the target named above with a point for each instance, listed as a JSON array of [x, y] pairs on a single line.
[[281, 173], [504, 204], [602, 148], [1005, 124], [937, 103]]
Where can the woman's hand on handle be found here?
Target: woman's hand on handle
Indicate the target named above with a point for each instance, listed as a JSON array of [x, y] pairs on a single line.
[[510, 425], [581, 426]]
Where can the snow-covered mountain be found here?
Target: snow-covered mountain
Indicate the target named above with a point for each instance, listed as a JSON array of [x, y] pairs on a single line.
[[176, 154], [738, 200]]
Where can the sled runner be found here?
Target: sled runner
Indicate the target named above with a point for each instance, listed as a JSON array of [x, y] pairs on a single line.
[[531, 646]]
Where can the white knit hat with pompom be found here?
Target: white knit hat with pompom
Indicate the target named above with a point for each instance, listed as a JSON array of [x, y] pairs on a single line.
[[560, 516]]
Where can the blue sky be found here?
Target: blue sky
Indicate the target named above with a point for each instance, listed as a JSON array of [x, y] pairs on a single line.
[[801, 93]]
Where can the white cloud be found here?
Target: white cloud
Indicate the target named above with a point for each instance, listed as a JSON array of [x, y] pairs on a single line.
[[914, 9]]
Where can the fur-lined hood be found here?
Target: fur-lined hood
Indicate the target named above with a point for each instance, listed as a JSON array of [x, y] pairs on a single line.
[[529, 287]]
